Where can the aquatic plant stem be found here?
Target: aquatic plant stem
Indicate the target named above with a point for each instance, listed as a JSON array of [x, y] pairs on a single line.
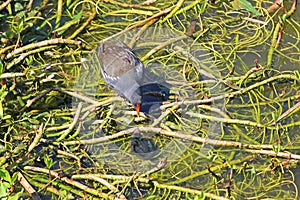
[[238, 92], [26, 185], [35, 99], [140, 32], [69, 181], [12, 75], [183, 136], [36, 181], [177, 6], [226, 120], [188, 7], [157, 184], [271, 153], [41, 44], [214, 168], [4, 49], [88, 21], [59, 12], [21, 58], [293, 109], [97, 179], [163, 115], [72, 125], [36, 138], [278, 31], [66, 26], [138, 24], [4, 4], [131, 5], [168, 42]]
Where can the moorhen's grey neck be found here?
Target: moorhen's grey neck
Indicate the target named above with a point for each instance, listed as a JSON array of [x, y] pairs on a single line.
[[122, 70]]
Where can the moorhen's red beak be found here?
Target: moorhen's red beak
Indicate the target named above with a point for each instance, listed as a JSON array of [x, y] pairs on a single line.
[[138, 108]]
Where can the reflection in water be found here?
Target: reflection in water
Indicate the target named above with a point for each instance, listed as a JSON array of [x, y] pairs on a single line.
[[143, 146], [153, 96]]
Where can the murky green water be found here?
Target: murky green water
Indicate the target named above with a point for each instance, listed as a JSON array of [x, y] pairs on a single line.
[[226, 115]]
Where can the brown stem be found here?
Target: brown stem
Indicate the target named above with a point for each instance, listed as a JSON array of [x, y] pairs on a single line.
[[41, 44]]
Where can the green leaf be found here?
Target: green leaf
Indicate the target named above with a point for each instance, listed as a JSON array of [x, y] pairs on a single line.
[[48, 161], [203, 7], [1, 111], [151, 197], [5, 184], [20, 25], [3, 93], [276, 149], [200, 197], [3, 190], [172, 125], [244, 4], [68, 2], [14, 177], [16, 196], [77, 16], [252, 170], [74, 18], [275, 116], [4, 174], [297, 74]]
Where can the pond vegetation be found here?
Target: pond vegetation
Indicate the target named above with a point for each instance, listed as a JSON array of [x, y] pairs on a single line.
[[228, 128]]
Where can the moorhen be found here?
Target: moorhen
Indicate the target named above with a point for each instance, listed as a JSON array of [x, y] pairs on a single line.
[[122, 70]]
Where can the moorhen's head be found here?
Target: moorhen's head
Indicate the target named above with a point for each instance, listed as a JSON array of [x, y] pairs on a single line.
[[122, 70], [136, 100]]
